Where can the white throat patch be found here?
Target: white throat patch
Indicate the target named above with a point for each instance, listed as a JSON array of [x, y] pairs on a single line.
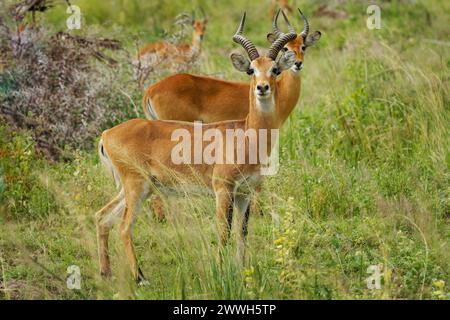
[[265, 105]]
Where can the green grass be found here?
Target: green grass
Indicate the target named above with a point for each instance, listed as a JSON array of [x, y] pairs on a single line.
[[364, 176]]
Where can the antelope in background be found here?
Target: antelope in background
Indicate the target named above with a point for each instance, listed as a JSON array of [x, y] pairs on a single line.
[[283, 4], [187, 97], [138, 153], [170, 55]]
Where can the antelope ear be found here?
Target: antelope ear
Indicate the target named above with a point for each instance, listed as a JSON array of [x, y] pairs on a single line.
[[312, 39], [271, 37], [240, 62], [286, 61]]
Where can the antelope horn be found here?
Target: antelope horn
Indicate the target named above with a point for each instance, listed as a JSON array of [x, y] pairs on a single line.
[[277, 32], [290, 28], [305, 31], [244, 42], [279, 44]]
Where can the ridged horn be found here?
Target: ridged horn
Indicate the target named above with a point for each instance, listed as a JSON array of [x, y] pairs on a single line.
[[279, 44], [277, 31], [305, 31], [290, 28], [244, 42]]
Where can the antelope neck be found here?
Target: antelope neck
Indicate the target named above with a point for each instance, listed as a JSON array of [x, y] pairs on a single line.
[[288, 89]]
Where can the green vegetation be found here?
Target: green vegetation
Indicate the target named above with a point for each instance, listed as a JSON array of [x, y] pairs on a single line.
[[364, 176]]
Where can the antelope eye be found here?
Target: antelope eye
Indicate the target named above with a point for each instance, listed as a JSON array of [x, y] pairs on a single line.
[[250, 72], [285, 49], [276, 71], [303, 47]]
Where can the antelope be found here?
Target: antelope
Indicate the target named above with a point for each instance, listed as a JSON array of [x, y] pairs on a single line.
[[187, 97], [283, 4], [170, 54], [138, 154]]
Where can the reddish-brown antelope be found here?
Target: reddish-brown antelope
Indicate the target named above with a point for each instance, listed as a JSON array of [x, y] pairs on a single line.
[[283, 4], [170, 54], [187, 97], [139, 153]]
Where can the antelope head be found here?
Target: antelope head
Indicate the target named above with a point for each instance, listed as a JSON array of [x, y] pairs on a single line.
[[263, 69], [301, 42], [199, 25]]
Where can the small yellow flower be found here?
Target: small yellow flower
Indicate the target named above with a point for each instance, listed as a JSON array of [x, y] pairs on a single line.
[[439, 284], [249, 272]]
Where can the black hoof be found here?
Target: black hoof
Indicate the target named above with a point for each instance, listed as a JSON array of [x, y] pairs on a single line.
[[141, 281]]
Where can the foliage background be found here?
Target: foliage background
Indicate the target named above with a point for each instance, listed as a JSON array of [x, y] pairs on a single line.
[[364, 178]]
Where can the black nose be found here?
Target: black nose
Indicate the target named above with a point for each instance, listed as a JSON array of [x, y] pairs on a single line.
[[299, 64], [262, 89]]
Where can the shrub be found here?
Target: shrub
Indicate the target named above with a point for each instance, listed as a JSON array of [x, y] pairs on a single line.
[[21, 190], [52, 87]]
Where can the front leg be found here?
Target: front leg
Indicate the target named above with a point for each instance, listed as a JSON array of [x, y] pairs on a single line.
[[241, 203], [224, 211]]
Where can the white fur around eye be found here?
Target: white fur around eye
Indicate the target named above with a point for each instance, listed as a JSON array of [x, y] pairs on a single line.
[[269, 73], [256, 72]]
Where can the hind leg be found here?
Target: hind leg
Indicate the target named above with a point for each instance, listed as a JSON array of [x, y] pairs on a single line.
[[157, 207], [136, 190], [255, 206], [105, 219]]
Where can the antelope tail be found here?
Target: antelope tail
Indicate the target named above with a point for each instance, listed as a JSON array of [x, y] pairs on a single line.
[[108, 164], [151, 113]]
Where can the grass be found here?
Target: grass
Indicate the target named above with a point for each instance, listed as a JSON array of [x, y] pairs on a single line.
[[364, 175]]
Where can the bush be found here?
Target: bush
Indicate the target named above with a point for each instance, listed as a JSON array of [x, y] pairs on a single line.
[[21, 190], [52, 87]]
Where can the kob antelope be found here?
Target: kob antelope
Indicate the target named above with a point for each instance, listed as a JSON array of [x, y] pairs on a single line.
[[283, 4], [169, 55], [138, 153]]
